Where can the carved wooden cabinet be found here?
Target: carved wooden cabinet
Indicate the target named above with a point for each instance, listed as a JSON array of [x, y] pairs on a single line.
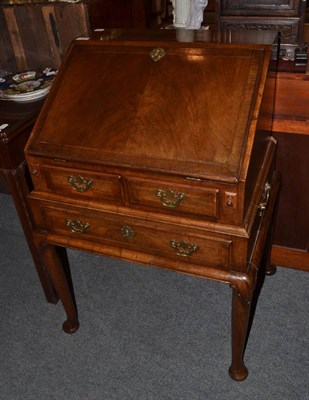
[[159, 151], [286, 17]]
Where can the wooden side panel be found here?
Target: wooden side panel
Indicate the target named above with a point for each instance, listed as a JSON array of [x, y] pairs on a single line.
[[71, 21], [34, 46], [38, 35], [48, 15], [10, 45], [7, 59]]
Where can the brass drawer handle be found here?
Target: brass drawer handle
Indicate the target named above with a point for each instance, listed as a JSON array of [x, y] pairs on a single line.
[[77, 226], [79, 183], [127, 232], [183, 248], [169, 198], [265, 198]]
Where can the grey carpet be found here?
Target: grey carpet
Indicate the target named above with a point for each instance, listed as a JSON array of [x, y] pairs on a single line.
[[145, 334]]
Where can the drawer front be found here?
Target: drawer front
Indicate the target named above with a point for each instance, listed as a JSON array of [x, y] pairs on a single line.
[[83, 184], [141, 235], [170, 197]]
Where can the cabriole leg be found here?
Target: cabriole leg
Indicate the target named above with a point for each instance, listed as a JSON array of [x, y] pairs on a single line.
[[240, 319]]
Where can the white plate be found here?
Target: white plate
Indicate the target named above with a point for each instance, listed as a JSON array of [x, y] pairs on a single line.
[[27, 85]]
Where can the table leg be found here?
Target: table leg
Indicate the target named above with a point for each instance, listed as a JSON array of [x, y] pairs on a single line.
[[19, 189], [240, 319], [56, 272]]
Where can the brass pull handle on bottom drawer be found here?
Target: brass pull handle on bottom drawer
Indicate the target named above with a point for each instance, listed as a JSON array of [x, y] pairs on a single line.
[[183, 248], [77, 226]]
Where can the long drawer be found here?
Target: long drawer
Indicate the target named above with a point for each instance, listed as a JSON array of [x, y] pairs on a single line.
[[147, 236]]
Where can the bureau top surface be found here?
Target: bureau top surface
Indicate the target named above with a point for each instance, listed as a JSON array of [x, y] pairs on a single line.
[[191, 112]]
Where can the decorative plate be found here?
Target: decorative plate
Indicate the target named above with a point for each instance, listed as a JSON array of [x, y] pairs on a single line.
[[27, 85]]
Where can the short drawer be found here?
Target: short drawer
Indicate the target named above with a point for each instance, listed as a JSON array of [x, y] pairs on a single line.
[[170, 197], [141, 235], [82, 183]]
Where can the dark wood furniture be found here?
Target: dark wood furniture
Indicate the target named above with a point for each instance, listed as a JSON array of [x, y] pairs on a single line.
[[16, 122], [37, 33], [286, 17], [163, 156]]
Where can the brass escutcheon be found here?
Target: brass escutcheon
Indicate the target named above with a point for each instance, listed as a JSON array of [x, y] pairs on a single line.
[[157, 53], [127, 232], [169, 198], [183, 248], [79, 183], [77, 226]]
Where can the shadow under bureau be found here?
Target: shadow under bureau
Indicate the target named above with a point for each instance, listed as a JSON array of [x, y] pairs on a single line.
[[158, 151]]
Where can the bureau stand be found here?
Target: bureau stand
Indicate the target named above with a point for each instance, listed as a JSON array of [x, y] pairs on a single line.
[[162, 155]]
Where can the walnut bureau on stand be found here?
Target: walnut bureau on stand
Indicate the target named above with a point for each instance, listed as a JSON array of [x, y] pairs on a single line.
[[162, 154], [16, 122]]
